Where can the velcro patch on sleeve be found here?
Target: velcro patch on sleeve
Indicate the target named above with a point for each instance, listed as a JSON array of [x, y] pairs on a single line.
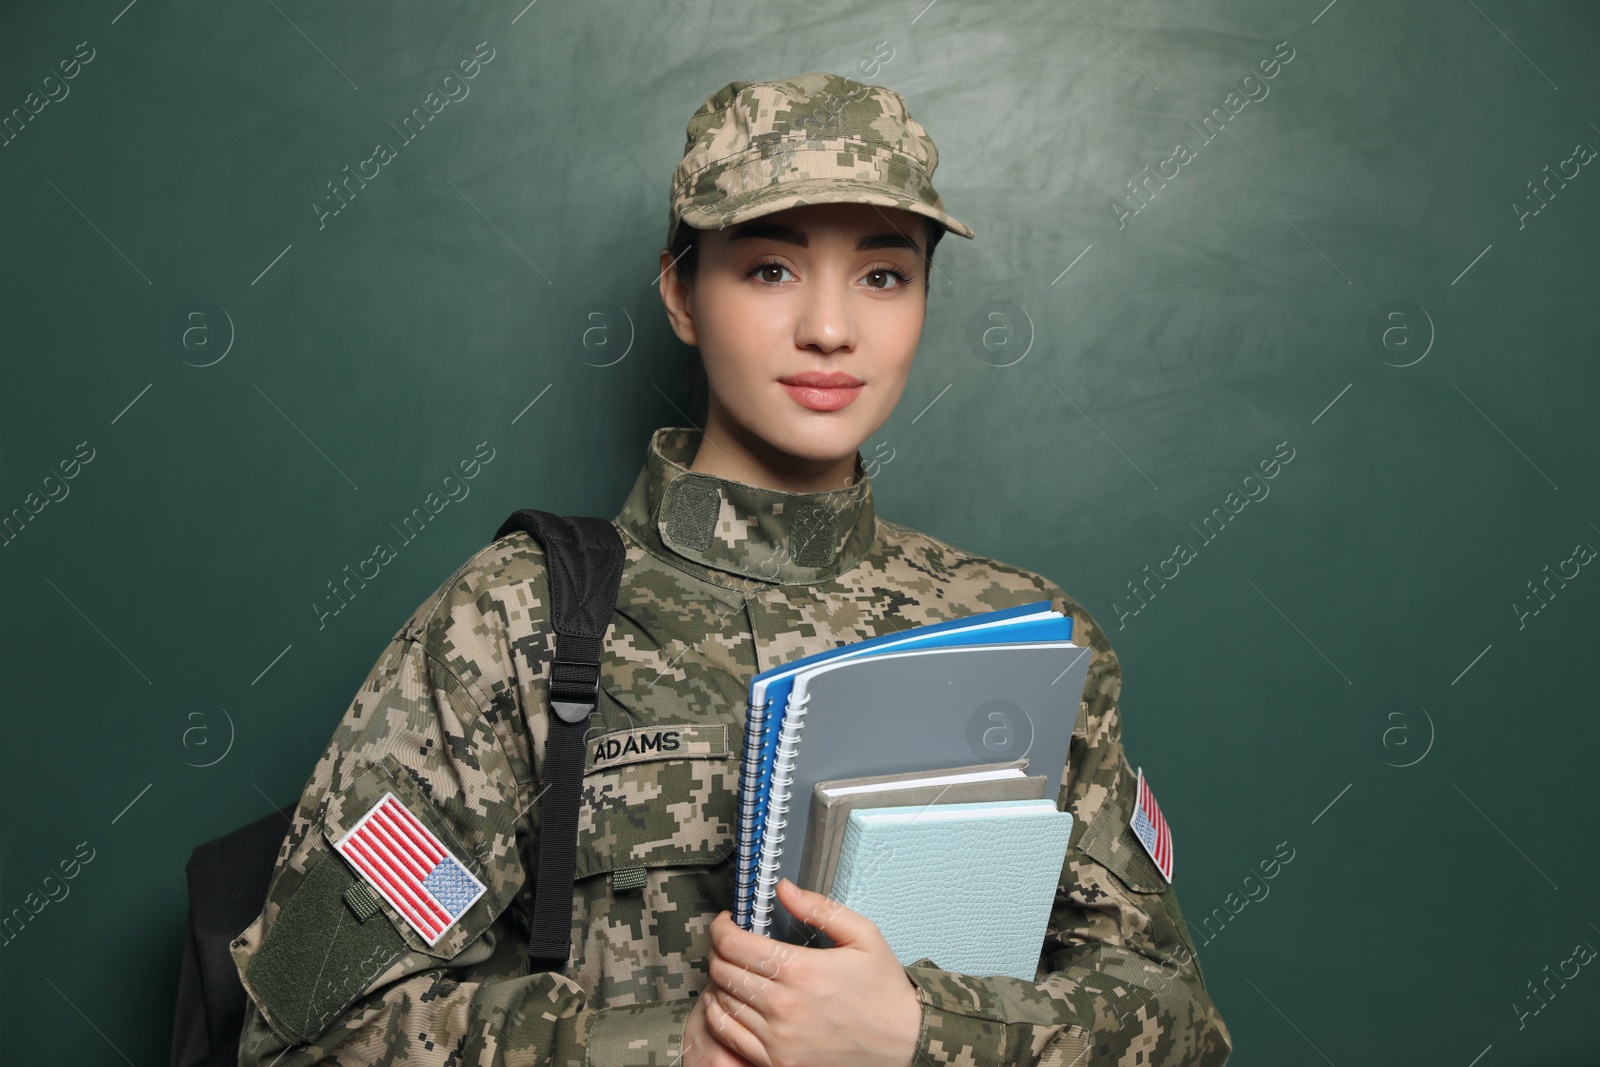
[[317, 958]]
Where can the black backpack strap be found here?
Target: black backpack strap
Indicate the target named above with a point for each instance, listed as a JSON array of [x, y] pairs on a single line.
[[583, 559]]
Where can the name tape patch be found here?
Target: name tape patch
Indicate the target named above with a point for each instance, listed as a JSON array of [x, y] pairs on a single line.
[[410, 868], [673, 741], [1151, 829]]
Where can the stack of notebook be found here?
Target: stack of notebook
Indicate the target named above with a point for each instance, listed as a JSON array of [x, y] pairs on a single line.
[[927, 821]]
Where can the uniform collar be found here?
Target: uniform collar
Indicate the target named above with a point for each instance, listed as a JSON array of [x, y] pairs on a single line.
[[703, 523]]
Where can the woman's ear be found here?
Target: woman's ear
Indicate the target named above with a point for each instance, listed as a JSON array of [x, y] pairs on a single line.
[[677, 295]]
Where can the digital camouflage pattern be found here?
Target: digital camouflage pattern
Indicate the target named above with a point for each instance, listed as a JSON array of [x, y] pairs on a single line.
[[757, 147], [721, 580]]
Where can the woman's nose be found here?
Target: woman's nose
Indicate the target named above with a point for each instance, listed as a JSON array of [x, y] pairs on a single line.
[[825, 321]]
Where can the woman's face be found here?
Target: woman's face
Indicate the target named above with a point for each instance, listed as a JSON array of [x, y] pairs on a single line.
[[825, 289]]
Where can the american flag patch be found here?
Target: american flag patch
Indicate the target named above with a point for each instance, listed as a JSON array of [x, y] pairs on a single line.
[[1151, 829], [410, 867]]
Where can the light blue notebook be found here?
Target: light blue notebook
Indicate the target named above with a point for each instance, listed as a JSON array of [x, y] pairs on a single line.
[[969, 886]]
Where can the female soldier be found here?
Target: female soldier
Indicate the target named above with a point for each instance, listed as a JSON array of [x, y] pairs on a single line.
[[801, 233]]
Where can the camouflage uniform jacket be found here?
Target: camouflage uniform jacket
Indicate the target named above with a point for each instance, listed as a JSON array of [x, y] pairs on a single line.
[[720, 580]]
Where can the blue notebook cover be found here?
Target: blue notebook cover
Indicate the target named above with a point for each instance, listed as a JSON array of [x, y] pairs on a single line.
[[769, 693], [970, 886]]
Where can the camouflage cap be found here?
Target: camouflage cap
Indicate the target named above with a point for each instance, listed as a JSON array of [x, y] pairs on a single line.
[[758, 147]]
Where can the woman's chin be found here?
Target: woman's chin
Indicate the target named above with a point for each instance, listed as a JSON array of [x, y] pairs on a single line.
[[822, 437]]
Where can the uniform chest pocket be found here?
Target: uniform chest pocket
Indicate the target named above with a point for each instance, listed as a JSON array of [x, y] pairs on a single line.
[[663, 795]]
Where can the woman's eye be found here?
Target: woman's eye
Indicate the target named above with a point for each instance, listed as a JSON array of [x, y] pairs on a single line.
[[769, 272], [885, 278]]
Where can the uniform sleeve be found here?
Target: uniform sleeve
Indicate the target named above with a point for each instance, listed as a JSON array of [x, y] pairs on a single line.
[[336, 975], [1118, 982]]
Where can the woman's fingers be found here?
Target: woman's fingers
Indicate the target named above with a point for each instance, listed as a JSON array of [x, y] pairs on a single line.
[[745, 986], [723, 1018]]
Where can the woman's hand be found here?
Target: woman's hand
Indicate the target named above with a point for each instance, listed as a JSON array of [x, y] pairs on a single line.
[[782, 1005], [700, 1047]]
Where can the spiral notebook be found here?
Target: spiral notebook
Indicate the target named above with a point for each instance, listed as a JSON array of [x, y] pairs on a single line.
[[769, 692], [990, 687], [907, 710]]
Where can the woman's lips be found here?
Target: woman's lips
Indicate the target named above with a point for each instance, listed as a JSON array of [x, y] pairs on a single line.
[[820, 399]]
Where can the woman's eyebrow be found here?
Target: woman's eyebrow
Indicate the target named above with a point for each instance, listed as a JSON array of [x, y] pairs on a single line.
[[774, 231]]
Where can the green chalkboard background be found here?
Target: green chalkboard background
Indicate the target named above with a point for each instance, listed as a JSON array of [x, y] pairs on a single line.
[[1350, 266]]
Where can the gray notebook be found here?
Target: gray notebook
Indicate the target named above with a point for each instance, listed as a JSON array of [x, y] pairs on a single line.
[[833, 801], [909, 711]]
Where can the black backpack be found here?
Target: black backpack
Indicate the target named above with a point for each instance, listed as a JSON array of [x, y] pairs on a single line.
[[228, 877]]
